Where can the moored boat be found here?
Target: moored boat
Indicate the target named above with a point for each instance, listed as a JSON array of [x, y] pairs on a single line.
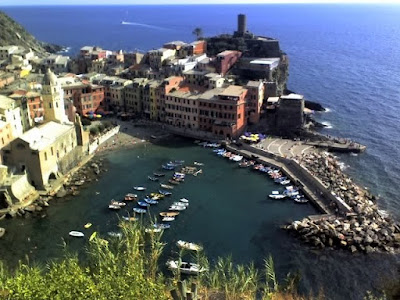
[[177, 207], [139, 188], [143, 204], [165, 193], [152, 178], [168, 219], [139, 210], [285, 182], [114, 202], [75, 233], [198, 163], [185, 267], [167, 167], [114, 207], [188, 245], [152, 230], [115, 234], [184, 200], [129, 219], [179, 203], [300, 199], [277, 195], [169, 213], [166, 186], [130, 197], [150, 201], [87, 225], [172, 181], [158, 174]]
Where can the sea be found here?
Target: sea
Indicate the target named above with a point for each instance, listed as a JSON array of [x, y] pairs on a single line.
[[344, 56]]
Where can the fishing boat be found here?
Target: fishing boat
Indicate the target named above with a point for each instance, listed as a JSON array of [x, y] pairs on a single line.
[[150, 201], [76, 233], [139, 188], [166, 186], [158, 174], [177, 207], [198, 163], [114, 202], [139, 210], [87, 225], [276, 195], [189, 246], [114, 207], [152, 178], [165, 193], [169, 213], [115, 234], [172, 181], [184, 200], [143, 204], [129, 219], [185, 267], [168, 219], [162, 226], [130, 197]]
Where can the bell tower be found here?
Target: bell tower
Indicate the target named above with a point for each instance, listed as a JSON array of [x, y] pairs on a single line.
[[53, 99]]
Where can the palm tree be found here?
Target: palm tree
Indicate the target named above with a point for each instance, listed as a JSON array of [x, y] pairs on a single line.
[[198, 32]]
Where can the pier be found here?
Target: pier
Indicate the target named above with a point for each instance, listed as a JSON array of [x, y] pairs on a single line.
[[316, 192]]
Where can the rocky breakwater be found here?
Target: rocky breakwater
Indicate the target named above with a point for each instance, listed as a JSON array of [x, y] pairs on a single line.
[[366, 229]]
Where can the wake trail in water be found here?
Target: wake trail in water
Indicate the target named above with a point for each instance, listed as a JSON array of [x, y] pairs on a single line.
[[143, 25]]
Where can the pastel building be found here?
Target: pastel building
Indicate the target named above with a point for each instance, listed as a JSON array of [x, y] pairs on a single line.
[[16, 113], [182, 109], [225, 61], [255, 99], [157, 57]]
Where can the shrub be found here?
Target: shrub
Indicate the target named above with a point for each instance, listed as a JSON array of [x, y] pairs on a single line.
[[94, 131], [86, 122]]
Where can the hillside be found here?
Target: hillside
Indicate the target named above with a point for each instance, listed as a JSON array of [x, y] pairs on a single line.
[[12, 33]]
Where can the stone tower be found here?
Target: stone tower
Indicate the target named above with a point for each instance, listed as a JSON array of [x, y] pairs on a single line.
[[53, 99], [242, 24]]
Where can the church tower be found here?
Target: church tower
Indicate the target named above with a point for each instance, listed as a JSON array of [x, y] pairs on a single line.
[[53, 99]]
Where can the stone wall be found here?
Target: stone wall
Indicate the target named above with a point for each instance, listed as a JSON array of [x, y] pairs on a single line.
[[101, 139]]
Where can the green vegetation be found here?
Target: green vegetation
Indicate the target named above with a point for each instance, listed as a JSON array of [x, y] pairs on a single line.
[[128, 268], [198, 32]]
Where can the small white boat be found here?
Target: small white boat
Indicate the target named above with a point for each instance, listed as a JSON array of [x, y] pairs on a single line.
[[277, 195], [129, 219], [236, 158], [185, 267], [285, 182], [149, 230], [168, 219], [188, 245], [76, 233], [169, 213], [300, 199], [184, 200], [118, 203], [139, 188], [114, 207], [177, 207], [166, 186], [139, 210], [115, 234], [198, 163], [178, 203]]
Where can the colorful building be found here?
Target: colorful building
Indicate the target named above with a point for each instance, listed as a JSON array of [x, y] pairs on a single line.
[[225, 60]]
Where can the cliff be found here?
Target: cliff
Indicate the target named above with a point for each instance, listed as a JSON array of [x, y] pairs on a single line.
[[12, 33]]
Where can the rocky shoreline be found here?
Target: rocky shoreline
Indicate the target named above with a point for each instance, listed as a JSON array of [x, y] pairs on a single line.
[[365, 229]]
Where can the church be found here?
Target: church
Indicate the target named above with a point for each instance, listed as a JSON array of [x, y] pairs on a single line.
[[48, 151]]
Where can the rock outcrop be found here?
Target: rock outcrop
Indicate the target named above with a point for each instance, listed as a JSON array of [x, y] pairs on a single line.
[[12, 33]]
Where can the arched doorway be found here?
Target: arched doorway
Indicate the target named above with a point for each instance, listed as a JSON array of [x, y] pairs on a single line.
[[52, 177]]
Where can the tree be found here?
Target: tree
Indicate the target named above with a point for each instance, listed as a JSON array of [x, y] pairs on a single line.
[[198, 32]]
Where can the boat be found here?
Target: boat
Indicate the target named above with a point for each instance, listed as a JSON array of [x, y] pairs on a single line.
[[115, 234], [179, 162], [179, 175], [185, 267], [184, 200], [168, 167], [189, 246], [166, 186], [130, 197], [129, 219], [285, 182], [165, 193], [87, 225], [178, 179], [198, 163], [300, 199], [178, 203], [143, 203], [236, 158], [291, 191], [139, 188], [121, 204], [76, 233], [276, 195], [168, 219], [172, 181], [198, 172], [162, 226], [158, 174], [150, 201], [152, 178], [152, 230], [114, 207], [169, 213], [139, 210], [177, 207]]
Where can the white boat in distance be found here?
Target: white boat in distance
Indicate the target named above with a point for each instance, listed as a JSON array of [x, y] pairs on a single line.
[[168, 219], [184, 200], [76, 233], [277, 195], [188, 245], [139, 188], [177, 207], [185, 267]]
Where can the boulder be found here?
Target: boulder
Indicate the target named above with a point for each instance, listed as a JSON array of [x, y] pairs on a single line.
[[353, 248]]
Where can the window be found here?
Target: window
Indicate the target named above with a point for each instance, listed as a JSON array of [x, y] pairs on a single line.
[[45, 156]]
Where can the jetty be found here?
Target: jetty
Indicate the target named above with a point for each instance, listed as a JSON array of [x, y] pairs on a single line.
[[349, 219]]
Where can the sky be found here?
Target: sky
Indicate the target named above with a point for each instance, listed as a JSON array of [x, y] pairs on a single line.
[[164, 2]]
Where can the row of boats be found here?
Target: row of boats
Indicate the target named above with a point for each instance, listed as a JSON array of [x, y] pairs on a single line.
[[275, 174]]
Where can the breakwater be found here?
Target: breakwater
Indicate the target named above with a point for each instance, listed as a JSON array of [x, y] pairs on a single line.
[[351, 219]]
